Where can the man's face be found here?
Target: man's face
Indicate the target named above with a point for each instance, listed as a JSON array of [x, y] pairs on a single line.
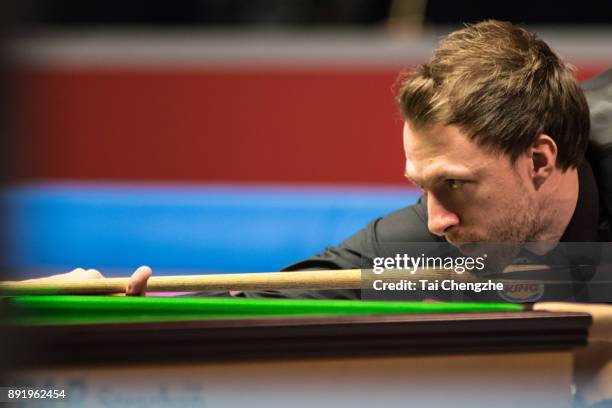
[[473, 195]]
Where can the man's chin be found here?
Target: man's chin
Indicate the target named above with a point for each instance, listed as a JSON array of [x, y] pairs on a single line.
[[474, 246], [465, 242]]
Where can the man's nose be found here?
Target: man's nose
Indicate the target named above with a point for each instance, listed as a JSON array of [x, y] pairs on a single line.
[[439, 219]]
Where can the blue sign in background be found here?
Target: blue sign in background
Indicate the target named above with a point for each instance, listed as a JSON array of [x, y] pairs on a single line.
[[56, 227]]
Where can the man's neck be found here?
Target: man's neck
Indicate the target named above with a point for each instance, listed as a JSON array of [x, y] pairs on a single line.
[[559, 205]]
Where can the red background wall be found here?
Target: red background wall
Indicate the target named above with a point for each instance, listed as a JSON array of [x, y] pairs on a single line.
[[327, 125]]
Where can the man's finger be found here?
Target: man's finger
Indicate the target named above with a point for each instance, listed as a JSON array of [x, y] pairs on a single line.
[[138, 281]]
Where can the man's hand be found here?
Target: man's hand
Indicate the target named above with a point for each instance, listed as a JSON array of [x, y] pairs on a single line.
[[136, 287]]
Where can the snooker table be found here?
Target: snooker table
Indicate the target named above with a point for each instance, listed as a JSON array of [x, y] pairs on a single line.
[[225, 352]]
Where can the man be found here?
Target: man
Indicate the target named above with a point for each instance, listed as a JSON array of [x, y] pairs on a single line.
[[496, 132]]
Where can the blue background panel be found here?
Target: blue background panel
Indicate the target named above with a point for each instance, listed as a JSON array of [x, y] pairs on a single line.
[[113, 227]]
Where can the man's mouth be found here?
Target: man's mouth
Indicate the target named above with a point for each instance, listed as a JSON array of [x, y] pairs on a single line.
[[468, 248]]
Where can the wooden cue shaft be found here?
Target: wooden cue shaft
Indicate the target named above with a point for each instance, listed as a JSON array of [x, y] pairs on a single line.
[[306, 280], [331, 279]]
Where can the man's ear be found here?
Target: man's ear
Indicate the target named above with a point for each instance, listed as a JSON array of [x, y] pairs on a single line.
[[543, 154]]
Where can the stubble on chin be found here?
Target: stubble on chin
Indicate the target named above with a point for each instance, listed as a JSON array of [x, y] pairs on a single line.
[[518, 224], [505, 236]]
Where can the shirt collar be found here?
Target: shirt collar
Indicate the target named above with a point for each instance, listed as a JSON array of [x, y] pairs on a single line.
[[584, 224]]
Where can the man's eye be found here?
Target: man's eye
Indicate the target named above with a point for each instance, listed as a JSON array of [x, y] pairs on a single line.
[[454, 184]]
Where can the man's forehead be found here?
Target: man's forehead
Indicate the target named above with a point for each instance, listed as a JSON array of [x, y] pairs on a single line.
[[442, 150], [436, 139]]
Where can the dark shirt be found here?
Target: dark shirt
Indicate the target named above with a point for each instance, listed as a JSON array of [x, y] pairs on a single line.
[[584, 224]]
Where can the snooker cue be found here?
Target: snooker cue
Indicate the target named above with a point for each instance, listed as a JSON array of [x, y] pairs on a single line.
[[305, 280], [340, 279]]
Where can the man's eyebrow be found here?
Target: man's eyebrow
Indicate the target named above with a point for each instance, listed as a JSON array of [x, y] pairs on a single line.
[[443, 175], [406, 175], [410, 178]]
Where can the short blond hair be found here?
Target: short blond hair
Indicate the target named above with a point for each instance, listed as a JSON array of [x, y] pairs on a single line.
[[503, 87]]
